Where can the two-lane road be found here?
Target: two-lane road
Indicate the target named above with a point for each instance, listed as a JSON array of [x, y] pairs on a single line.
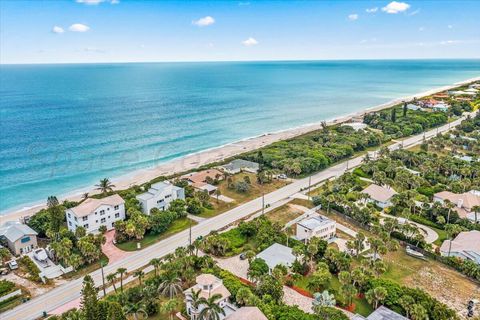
[[71, 290]]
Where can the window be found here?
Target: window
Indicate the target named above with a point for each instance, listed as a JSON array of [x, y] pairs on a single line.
[[168, 196], [103, 220], [85, 218], [96, 221], [85, 226], [69, 223], [68, 214], [76, 219], [24, 240], [117, 215], [102, 212], [116, 207]]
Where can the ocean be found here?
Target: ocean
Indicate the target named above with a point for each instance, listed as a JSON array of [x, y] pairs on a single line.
[[65, 126]]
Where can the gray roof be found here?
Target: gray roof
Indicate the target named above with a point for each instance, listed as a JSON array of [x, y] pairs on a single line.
[[277, 254], [383, 313], [314, 222], [240, 163], [156, 188], [13, 230]]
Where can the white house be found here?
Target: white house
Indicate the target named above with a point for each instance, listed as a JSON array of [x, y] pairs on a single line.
[[277, 254], [93, 213], [316, 226], [239, 165], [159, 196], [381, 313], [414, 107], [381, 196], [440, 107], [356, 125], [465, 246], [208, 285], [464, 202]]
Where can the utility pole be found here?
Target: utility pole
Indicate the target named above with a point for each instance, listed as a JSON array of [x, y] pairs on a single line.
[[263, 202], [309, 186], [190, 233], [103, 279]]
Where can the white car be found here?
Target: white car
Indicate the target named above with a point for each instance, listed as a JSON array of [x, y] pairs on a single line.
[[12, 264]]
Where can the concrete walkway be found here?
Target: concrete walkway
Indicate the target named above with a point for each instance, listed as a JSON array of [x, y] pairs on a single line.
[[113, 253]]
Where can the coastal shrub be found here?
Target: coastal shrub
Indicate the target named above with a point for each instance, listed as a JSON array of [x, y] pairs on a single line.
[[30, 267], [6, 287]]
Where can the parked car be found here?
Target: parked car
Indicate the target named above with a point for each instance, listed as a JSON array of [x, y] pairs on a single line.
[[282, 176], [12, 264]]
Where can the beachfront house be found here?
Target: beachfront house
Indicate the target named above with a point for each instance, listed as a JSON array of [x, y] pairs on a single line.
[[18, 237], [464, 202], [93, 213], [440, 107], [381, 313], [316, 226], [414, 107], [208, 285], [160, 195], [356, 125], [380, 195], [239, 165], [465, 246], [247, 313], [277, 254], [204, 180]]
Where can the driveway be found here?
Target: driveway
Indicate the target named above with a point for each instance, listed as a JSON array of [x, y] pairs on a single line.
[[429, 234], [111, 251], [234, 265]]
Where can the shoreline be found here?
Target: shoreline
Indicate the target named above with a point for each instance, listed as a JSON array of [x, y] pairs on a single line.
[[215, 154]]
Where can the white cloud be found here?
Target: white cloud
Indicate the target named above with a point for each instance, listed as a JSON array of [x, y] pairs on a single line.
[[90, 2], [203, 22], [250, 42], [372, 10], [353, 17], [396, 7], [450, 26], [78, 27], [57, 29], [114, 2]]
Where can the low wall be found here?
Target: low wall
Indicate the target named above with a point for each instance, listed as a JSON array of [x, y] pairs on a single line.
[[11, 295]]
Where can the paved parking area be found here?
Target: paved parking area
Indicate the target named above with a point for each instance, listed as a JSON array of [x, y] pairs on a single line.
[[234, 265], [111, 251]]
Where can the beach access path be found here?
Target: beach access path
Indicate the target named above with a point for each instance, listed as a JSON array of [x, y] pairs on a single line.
[[71, 290]]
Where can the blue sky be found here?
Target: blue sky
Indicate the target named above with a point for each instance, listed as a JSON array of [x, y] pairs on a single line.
[[126, 30]]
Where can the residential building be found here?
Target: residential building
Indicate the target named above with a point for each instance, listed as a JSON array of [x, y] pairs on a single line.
[[208, 285], [316, 226], [356, 125], [414, 107], [380, 195], [441, 95], [440, 107], [247, 313], [18, 237], [93, 213], [159, 195], [465, 246], [200, 180], [239, 165], [381, 313], [277, 254], [464, 202]]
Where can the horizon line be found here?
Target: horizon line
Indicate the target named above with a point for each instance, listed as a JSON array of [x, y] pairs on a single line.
[[236, 61]]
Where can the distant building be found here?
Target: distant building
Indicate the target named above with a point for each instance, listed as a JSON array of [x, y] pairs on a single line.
[[93, 213], [18, 237], [356, 125], [414, 107], [199, 180], [159, 196], [277, 254], [381, 313], [316, 226], [465, 246], [208, 285], [441, 95], [464, 202], [239, 165], [440, 107], [381, 196]]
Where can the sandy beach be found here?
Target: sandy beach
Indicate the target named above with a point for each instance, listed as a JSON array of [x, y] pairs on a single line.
[[220, 153]]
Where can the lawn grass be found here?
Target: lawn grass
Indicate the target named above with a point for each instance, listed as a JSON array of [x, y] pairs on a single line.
[[149, 239], [442, 236], [303, 202], [83, 270], [283, 214], [218, 208]]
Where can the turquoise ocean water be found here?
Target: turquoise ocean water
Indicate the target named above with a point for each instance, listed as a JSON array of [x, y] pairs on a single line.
[[63, 127]]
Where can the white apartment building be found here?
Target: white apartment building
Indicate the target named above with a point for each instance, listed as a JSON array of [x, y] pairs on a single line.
[[317, 226], [93, 213], [159, 196]]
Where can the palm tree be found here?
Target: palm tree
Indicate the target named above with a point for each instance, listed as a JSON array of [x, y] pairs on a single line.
[[121, 271], [211, 310], [52, 201], [323, 299], [195, 300], [139, 274], [170, 287], [105, 185], [476, 210], [376, 295], [111, 278], [418, 312], [136, 310], [449, 205], [218, 193], [452, 230], [169, 306], [85, 196], [155, 263]]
